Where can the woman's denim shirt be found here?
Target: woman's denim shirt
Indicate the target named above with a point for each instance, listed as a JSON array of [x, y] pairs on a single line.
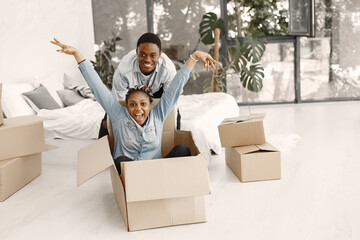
[[130, 139]]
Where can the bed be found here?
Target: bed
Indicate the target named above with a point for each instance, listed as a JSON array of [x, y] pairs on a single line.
[[80, 117]]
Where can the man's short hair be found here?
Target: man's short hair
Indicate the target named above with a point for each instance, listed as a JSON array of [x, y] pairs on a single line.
[[149, 38]]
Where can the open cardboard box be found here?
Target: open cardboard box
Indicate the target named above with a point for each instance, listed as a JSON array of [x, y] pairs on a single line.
[[1, 113], [21, 136], [254, 162], [153, 193], [241, 131]]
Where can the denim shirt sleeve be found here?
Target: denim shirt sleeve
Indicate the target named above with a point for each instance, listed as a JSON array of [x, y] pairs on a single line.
[[171, 95], [102, 94]]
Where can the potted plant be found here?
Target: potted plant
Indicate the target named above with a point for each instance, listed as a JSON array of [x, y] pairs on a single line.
[[242, 59]]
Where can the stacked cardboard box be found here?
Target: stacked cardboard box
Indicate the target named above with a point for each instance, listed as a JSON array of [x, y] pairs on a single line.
[[153, 193], [247, 153], [21, 143]]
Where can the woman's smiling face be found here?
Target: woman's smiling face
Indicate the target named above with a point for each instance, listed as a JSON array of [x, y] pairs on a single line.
[[139, 106]]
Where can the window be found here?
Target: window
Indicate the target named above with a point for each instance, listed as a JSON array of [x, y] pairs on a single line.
[[278, 63], [177, 24], [297, 67], [124, 18], [330, 66], [301, 17]]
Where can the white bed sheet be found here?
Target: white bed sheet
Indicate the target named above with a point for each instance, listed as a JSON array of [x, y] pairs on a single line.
[[79, 121], [201, 114]]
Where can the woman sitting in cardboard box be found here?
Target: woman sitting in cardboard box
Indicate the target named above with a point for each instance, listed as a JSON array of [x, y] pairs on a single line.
[[138, 127]]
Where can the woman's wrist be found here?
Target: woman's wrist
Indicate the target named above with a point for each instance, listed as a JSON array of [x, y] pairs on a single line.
[[191, 57], [194, 56], [78, 56], [81, 61]]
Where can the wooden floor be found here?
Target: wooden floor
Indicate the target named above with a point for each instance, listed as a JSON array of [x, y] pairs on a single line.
[[317, 198]]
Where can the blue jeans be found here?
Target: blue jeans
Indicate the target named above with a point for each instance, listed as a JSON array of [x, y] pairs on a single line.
[[179, 150]]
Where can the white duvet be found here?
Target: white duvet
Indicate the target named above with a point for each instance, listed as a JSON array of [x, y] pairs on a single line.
[[201, 114], [80, 121]]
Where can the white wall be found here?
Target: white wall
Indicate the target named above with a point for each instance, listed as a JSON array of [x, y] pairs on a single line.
[[26, 28]]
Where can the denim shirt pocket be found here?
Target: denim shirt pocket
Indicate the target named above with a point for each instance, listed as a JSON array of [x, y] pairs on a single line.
[[150, 135], [131, 126], [130, 133]]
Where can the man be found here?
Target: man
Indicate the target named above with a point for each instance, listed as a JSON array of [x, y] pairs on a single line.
[[145, 65]]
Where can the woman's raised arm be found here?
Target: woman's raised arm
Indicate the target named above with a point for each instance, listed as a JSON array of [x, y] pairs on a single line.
[[102, 94]]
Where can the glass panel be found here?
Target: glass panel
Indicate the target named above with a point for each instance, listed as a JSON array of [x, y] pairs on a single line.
[[177, 24], [330, 63], [278, 84], [125, 18], [300, 18], [247, 16]]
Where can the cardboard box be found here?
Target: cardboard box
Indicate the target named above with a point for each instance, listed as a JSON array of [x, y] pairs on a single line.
[[21, 136], [17, 172], [152, 193], [1, 112], [242, 131], [185, 137], [254, 162]]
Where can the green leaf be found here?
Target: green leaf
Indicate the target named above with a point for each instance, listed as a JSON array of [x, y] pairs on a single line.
[[252, 78], [253, 47], [209, 22]]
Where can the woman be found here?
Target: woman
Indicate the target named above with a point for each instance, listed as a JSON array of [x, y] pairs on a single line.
[[138, 127]]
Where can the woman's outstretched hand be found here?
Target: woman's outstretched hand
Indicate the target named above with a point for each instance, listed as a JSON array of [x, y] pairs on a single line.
[[64, 48], [204, 57], [69, 50]]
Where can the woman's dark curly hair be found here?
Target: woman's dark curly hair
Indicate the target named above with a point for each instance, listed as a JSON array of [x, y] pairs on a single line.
[[137, 88]]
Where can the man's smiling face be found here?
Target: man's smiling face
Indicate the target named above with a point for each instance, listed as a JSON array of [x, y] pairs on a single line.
[[148, 54]]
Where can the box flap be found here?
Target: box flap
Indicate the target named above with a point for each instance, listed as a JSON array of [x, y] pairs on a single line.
[[93, 159], [249, 118], [267, 147], [119, 193], [246, 149], [165, 178]]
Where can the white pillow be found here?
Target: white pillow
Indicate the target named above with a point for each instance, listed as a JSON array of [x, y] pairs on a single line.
[[52, 82], [13, 103]]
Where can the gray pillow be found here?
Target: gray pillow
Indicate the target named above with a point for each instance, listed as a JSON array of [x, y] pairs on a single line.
[[69, 97], [40, 98]]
